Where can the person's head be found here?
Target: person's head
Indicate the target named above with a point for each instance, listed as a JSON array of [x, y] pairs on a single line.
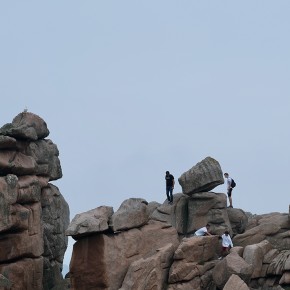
[[226, 175], [207, 226], [167, 172], [227, 233]]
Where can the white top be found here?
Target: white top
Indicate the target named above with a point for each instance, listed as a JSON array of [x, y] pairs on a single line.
[[229, 182], [227, 241], [201, 232]]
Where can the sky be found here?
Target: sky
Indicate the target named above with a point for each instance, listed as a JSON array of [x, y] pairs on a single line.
[[130, 89]]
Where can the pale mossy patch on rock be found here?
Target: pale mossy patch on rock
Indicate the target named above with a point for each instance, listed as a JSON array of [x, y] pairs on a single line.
[[4, 282]]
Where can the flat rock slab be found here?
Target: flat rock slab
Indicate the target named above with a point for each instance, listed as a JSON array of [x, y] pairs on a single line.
[[92, 221]]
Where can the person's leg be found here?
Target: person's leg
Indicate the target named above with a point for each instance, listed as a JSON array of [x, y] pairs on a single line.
[[222, 253], [167, 193], [230, 197], [171, 195], [226, 251]]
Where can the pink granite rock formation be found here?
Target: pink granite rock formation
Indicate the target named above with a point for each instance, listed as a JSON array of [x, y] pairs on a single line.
[[101, 261], [33, 213], [151, 272], [151, 246], [232, 264], [92, 221]]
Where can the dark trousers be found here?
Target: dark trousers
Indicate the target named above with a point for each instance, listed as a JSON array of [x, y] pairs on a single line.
[[169, 190]]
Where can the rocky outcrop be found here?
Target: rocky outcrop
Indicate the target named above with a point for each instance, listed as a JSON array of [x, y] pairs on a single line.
[[26, 126], [33, 213], [273, 227], [266, 247], [101, 261], [140, 246], [151, 246], [204, 176], [127, 248]]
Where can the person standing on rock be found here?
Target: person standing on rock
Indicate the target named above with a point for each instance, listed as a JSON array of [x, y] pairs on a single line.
[[203, 231], [229, 188], [169, 186]]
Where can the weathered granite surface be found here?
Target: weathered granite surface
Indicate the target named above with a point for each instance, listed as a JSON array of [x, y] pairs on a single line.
[[33, 213], [146, 245], [143, 245], [204, 176]]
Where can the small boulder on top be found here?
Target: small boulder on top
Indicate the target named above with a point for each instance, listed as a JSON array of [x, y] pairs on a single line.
[[203, 177], [27, 126], [132, 213]]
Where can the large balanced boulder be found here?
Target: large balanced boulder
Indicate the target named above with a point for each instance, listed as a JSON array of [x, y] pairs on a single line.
[[204, 176]]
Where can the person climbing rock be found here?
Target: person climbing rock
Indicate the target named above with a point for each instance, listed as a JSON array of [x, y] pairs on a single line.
[[203, 231], [227, 244]]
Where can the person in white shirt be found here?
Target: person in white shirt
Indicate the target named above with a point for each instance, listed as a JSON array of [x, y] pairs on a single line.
[[203, 231], [229, 188], [227, 244]]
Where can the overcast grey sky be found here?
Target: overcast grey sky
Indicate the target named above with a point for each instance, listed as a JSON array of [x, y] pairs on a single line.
[[130, 89]]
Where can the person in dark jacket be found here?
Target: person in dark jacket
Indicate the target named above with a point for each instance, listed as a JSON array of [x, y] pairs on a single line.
[[169, 186]]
